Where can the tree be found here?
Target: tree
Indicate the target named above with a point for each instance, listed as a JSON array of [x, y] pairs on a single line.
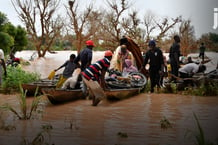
[[210, 40], [6, 42], [3, 21], [131, 26], [84, 24], [111, 27], [13, 36], [41, 33], [158, 28], [186, 32], [149, 25]]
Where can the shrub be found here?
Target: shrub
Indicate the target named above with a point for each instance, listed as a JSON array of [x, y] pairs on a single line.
[[209, 88], [16, 76]]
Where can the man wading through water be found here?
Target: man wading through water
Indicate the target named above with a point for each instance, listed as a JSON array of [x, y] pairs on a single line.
[[93, 77], [154, 57], [174, 57]]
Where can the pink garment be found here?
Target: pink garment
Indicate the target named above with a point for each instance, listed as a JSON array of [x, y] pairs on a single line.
[[129, 67]]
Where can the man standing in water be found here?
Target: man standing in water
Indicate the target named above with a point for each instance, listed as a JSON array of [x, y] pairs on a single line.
[[93, 77], [156, 64], [174, 56], [202, 50]]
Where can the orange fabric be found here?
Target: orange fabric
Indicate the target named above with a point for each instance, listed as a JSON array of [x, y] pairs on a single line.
[[108, 53]]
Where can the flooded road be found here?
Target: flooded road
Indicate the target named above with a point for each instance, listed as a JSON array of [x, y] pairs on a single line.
[[138, 117], [134, 121]]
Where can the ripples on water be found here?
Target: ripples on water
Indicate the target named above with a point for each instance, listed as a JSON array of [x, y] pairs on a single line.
[[139, 117]]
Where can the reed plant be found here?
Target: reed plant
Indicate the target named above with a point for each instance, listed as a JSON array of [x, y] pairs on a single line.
[[199, 136], [23, 113]]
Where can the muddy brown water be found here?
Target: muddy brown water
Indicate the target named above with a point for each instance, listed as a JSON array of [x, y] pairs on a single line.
[[138, 118]]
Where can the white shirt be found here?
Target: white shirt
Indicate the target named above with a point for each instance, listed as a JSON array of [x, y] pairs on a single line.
[[1, 54], [189, 68]]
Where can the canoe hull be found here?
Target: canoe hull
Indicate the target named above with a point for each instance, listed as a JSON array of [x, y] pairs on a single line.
[[58, 96], [31, 87], [120, 94]]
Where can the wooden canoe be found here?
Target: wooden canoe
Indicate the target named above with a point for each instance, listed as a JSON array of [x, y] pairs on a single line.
[[120, 94], [31, 87], [58, 96]]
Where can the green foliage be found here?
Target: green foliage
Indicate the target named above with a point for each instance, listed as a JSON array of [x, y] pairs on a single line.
[[169, 88], [10, 29], [20, 39], [23, 113], [205, 89], [17, 76], [11, 35], [6, 42], [3, 20]]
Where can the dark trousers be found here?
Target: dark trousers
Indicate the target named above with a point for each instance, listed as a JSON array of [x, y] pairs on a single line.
[[201, 55], [155, 78], [174, 68]]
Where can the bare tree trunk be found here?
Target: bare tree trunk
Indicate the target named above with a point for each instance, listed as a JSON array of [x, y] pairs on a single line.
[[33, 13]]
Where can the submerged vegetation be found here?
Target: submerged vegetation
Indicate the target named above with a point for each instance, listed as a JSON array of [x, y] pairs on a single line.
[[199, 136], [24, 113], [165, 123]]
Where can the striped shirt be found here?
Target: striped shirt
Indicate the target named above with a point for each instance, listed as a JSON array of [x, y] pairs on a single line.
[[94, 70]]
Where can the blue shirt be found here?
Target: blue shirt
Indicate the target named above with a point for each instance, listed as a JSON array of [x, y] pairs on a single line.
[[85, 57]]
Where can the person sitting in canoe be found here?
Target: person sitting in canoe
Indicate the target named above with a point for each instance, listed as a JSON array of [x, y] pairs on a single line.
[[70, 66], [93, 77], [128, 67], [72, 82]]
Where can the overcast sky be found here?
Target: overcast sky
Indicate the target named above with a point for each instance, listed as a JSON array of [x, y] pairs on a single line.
[[200, 12]]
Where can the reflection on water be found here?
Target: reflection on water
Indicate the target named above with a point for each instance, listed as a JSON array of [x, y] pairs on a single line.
[[139, 117]]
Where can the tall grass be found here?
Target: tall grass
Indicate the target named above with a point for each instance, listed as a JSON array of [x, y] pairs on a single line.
[[209, 88], [23, 113]]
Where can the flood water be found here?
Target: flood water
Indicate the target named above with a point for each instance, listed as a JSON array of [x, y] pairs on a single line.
[[138, 118]]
